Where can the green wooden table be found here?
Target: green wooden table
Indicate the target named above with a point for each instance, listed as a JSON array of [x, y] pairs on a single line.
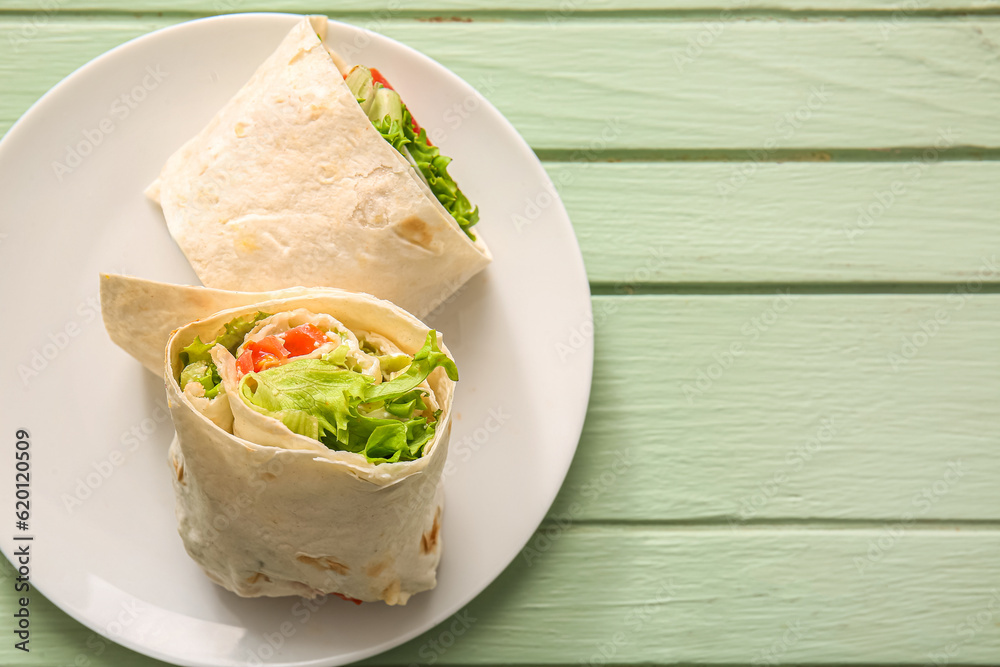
[[790, 215]]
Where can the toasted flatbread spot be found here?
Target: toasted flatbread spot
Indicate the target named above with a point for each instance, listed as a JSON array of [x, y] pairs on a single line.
[[258, 577], [178, 467], [415, 230], [376, 569], [429, 540], [323, 563], [240, 129], [267, 476]]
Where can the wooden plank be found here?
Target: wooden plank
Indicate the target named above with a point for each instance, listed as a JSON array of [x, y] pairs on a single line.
[[620, 595], [924, 220], [554, 9], [37, 52], [611, 595], [757, 86], [833, 407]]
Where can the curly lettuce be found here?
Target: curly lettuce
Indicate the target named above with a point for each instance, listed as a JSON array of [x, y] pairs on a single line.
[[324, 400], [394, 122]]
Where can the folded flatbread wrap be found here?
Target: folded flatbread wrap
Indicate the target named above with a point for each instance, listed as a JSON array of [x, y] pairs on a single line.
[[291, 184], [269, 502]]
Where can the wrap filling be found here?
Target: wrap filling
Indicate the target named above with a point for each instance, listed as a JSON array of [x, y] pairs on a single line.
[[386, 111], [351, 392]]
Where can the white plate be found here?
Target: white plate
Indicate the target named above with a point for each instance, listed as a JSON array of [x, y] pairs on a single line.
[[106, 548]]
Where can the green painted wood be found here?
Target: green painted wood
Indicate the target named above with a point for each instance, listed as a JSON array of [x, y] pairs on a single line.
[[762, 408], [630, 595], [578, 86], [723, 522], [551, 9], [922, 220], [709, 595]]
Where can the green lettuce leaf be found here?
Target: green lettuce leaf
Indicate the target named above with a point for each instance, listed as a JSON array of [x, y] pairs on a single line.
[[404, 406], [345, 410], [394, 122], [392, 131], [234, 333], [425, 360], [312, 397], [204, 373], [390, 363], [434, 168]]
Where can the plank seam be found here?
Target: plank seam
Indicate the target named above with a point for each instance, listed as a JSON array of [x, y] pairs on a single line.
[[623, 289], [868, 663], [965, 153], [763, 525], [562, 14]]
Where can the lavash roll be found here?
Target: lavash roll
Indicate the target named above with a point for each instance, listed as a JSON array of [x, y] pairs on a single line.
[[291, 185], [283, 519]]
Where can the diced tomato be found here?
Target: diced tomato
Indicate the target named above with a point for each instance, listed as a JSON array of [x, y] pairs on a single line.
[[378, 78], [349, 599], [245, 363], [264, 353], [273, 351], [303, 339], [264, 360], [269, 345]]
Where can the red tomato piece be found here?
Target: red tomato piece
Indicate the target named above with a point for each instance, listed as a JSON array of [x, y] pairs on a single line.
[[272, 351], [267, 360], [269, 345], [378, 78], [349, 599], [245, 363], [264, 353], [303, 339]]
